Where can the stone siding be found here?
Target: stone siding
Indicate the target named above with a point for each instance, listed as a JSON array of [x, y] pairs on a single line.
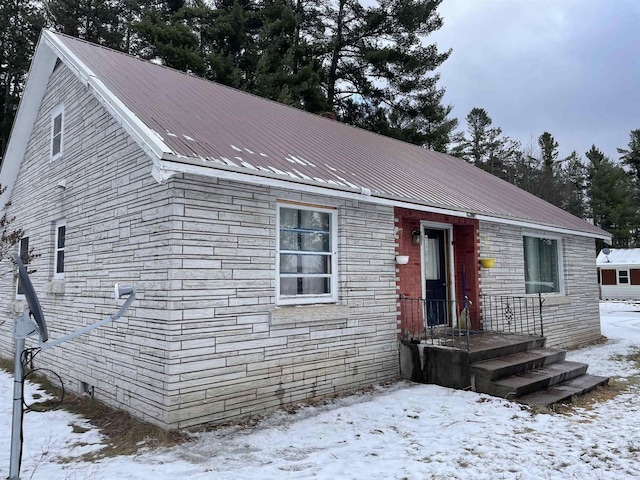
[[570, 319], [204, 341], [239, 354]]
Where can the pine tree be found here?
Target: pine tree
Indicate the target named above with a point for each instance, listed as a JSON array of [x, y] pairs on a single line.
[[288, 71], [610, 199], [166, 34], [478, 124], [378, 70], [486, 147], [96, 21], [574, 179], [20, 25], [230, 41], [550, 186], [631, 158], [631, 155]]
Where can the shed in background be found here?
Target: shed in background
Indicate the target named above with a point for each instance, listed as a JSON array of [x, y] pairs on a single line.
[[619, 273]]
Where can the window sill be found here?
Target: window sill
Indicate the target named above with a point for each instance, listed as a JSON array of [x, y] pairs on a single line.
[[56, 286], [308, 314], [550, 299], [17, 306]]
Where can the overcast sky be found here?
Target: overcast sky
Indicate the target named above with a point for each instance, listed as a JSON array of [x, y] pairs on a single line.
[[569, 67]]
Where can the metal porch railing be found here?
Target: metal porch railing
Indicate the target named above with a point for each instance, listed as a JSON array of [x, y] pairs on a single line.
[[447, 323], [440, 322], [510, 314]]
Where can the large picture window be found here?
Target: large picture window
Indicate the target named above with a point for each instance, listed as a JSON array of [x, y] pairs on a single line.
[[306, 255], [542, 265]]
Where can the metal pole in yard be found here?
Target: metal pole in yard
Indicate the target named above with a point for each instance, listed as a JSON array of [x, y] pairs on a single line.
[[22, 328]]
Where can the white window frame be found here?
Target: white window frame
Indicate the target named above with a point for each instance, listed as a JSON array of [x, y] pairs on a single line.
[[332, 297], [56, 274], [57, 112], [20, 296], [626, 277], [560, 257]]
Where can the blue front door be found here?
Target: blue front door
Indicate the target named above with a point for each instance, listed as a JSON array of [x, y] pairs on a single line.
[[435, 268]]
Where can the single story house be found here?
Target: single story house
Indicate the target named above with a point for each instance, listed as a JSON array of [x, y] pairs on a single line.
[[269, 247], [619, 273]]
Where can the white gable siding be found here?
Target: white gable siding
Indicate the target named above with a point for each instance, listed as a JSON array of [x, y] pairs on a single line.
[[569, 319], [203, 341]]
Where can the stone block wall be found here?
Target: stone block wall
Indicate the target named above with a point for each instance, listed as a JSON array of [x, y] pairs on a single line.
[[119, 228], [240, 354], [571, 318], [204, 341]]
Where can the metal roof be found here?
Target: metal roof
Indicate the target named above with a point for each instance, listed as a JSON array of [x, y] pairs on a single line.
[[217, 127], [619, 257]]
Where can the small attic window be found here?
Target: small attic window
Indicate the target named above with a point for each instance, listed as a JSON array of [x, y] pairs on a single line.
[[57, 130]]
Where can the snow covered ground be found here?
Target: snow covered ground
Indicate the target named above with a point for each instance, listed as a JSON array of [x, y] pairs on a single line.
[[406, 431]]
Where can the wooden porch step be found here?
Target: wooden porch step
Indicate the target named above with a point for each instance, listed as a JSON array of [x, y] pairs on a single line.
[[513, 364], [564, 390], [537, 379]]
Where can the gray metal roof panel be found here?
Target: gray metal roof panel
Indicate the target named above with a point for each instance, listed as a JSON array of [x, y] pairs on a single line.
[[197, 118]]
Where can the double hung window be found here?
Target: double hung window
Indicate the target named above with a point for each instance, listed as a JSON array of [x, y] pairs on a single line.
[[306, 266], [623, 276], [57, 130], [58, 250]]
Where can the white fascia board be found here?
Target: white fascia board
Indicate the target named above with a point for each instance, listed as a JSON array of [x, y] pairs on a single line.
[[146, 138], [546, 228], [623, 266], [164, 170], [43, 63]]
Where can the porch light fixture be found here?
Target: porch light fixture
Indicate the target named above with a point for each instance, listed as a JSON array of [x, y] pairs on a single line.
[[402, 259], [415, 237]]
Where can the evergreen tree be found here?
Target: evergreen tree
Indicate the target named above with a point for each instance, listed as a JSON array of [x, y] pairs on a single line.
[[525, 171], [610, 199], [478, 124], [574, 180], [423, 121], [20, 25], [631, 155], [231, 43], [166, 34], [97, 21], [549, 180], [631, 158], [288, 71], [486, 147], [377, 68], [549, 152]]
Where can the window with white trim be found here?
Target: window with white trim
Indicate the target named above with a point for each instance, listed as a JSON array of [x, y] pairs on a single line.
[[306, 255], [58, 250], [57, 133], [23, 251], [542, 264], [623, 276]]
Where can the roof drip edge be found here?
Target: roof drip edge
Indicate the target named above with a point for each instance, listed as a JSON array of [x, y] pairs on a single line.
[[171, 165]]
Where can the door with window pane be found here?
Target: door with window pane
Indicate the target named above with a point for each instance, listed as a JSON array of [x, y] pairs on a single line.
[[435, 272]]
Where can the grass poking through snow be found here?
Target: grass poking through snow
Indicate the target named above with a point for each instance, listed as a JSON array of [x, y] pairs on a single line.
[[124, 434]]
